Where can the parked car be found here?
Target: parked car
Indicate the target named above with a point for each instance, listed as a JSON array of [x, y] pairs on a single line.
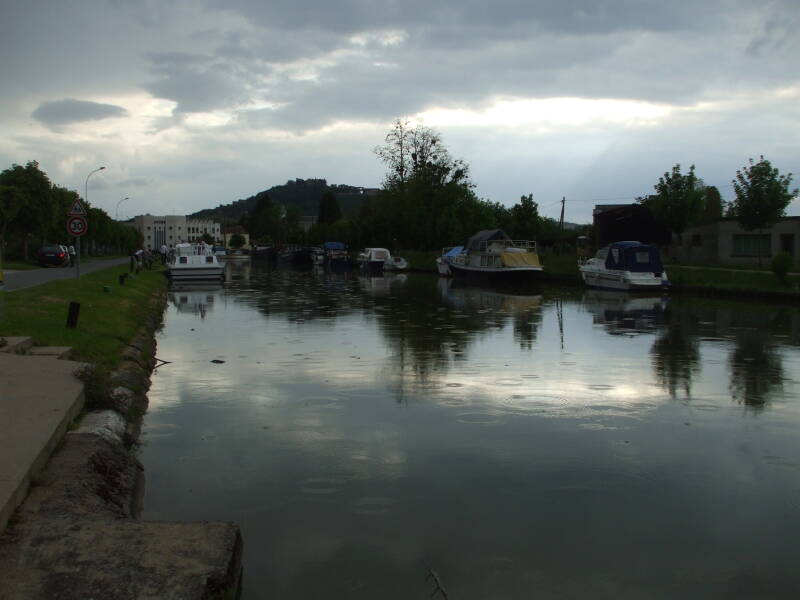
[[53, 256]]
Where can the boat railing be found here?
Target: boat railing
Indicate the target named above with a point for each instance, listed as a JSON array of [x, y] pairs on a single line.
[[528, 245]]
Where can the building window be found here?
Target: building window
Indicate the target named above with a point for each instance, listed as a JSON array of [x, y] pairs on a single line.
[[751, 245]]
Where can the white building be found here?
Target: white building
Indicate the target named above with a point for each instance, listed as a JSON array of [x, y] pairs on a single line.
[[173, 229]]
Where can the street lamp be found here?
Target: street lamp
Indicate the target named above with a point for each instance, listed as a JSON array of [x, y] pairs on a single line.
[[77, 240], [116, 216]]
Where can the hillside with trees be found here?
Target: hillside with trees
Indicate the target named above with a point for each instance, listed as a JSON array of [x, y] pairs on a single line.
[[301, 195]]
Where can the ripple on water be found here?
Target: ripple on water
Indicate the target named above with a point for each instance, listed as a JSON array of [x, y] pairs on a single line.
[[537, 404], [508, 382], [600, 387], [320, 401], [468, 372], [373, 505], [322, 486], [478, 418]]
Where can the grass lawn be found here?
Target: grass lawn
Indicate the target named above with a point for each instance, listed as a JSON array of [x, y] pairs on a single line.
[[107, 320], [18, 265], [744, 280]]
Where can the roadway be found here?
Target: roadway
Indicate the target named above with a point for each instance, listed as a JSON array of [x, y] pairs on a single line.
[[17, 280]]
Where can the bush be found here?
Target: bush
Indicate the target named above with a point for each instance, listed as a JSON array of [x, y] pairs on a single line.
[[781, 265]]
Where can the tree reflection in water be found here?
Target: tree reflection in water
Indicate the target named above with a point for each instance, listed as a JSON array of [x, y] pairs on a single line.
[[676, 354], [756, 369]]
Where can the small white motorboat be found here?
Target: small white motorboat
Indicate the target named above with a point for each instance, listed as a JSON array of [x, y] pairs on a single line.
[[380, 259], [627, 266], [194, 262]]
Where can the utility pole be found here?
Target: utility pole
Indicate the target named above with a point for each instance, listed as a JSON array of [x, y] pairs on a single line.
[[561, 221]]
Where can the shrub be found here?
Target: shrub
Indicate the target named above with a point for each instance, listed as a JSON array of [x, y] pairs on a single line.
[[781, 265]]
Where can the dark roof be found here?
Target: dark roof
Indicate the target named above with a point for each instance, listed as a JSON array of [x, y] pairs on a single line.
[[487, 235]]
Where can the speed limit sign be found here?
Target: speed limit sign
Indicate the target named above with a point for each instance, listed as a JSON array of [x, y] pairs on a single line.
[[77, 226]]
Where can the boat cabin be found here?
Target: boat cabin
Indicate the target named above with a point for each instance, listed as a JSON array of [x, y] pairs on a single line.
[[631, 256]]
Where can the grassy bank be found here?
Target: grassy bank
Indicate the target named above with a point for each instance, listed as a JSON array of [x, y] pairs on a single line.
[[420, 260], [731, 281], [107, 320], [18, 265]]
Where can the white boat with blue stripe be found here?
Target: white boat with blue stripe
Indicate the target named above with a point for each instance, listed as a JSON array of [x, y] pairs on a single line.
[[625, 266]]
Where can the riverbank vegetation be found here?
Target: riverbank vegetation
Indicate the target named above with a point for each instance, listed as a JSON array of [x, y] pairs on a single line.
[[33, 213], [107, 321]]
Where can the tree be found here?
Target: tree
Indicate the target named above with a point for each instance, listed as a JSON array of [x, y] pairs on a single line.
[[678, 201], [713, 205], [10, 203], [525, 215], [762, 195], [237, 240], [329, 211], [423, 191]]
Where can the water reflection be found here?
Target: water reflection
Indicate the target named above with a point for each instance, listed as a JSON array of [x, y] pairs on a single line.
[[676, 353], [194, 298], [362, 430], [623, 313], [756, 368]]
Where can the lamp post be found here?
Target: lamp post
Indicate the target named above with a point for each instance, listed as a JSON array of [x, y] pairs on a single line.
[[116, 216], [77, 239]]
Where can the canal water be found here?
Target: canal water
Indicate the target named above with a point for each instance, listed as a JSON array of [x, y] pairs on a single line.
[[520, 443]]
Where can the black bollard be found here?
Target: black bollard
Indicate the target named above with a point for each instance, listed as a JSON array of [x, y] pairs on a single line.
[[122, 278], [72, 315]]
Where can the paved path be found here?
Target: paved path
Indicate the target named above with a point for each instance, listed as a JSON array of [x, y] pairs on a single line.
[[18, 280], [40, 398]]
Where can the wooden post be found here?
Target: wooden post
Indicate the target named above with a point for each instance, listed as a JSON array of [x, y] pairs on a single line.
[[72, 315]]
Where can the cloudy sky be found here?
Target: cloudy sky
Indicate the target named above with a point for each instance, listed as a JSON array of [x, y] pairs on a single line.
[[194, 104]]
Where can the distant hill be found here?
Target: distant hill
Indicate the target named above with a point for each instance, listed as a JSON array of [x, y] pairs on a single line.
[[301, 193]]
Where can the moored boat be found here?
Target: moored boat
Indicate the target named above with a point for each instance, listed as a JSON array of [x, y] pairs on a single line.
[[443, 261], [194, 262], [491, 254], [628, 266], [380, 259], [334, 255]]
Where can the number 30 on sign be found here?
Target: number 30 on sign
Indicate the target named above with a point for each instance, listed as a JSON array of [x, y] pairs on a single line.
[[77, 226]]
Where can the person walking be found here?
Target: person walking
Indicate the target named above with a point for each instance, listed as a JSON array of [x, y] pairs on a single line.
[[71, 251]]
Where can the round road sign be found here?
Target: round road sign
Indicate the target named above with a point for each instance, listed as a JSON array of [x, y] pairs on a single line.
[[77, 226]]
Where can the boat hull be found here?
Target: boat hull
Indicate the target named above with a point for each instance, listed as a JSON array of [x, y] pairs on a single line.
[[195, 273], [622, 281], [497, 274]]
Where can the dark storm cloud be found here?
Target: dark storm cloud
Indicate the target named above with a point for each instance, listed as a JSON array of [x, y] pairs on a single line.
[[585, 16], [197, 82], [63, 112]]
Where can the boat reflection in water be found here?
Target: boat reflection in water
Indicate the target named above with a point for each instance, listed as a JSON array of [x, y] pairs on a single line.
[[623, 313], [504, 300], [237, 271], [197, 299], [383, 284]]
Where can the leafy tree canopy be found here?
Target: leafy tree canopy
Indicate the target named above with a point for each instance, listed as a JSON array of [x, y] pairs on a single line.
[[679, 200], [762, 195]]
